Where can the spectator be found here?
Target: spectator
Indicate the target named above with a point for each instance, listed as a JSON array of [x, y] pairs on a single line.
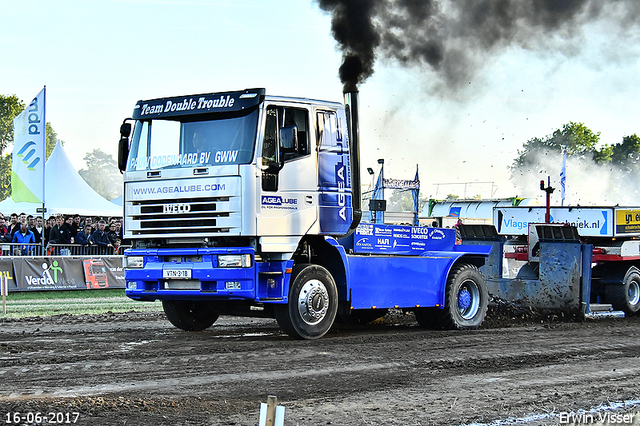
[[23, 236], [101, 238], [112, 233], [89, 221], [66, 229], [31, 221], [4, 231], [77, 224], [54, 234], [13, 225], [39, 227], [46, 230], [84, 238]]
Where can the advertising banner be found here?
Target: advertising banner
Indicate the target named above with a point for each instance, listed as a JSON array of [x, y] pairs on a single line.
[[590, 221], [6, 270], [50, 273], [627, 222], [400, 239]]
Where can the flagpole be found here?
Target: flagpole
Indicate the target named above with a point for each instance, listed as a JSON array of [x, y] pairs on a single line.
[[563, 176], [44, 159]]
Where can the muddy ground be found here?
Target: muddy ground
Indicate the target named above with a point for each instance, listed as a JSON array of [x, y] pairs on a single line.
[[137, 369]]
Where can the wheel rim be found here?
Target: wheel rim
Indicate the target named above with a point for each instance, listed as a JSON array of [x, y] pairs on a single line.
[[313, 302], [634, 293], [468, 299]]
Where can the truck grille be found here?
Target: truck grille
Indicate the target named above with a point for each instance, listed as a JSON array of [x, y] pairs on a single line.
[[190, 216]]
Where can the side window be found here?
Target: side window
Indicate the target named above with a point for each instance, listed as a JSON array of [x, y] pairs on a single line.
[[270, 154], [298, 118], [270, 142], [329, 134], [286, 137]]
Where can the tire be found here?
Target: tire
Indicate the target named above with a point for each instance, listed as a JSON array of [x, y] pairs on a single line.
[[465, 305], [313, 303], [626, 296], [190, 315]]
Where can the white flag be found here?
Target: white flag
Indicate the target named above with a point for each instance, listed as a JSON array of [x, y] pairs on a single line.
[[27, 173]]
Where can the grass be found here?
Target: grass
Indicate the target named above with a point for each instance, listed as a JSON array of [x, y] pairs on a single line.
[[47, 303]]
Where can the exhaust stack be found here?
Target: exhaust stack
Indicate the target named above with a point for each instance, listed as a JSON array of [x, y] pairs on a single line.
[[351, 105]]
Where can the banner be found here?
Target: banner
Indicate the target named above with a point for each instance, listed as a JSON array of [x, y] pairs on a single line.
[[6, 270], [51, 273], [402, 184], [27, 174]]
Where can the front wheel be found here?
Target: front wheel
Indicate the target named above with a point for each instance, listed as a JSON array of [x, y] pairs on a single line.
[[626, 296], [466, 302], [313, 303], [190, 315]]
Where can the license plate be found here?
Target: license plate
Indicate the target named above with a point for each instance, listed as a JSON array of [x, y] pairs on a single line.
[[176, 273]]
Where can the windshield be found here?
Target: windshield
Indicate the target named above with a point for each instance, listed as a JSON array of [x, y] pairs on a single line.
[[158, 144]]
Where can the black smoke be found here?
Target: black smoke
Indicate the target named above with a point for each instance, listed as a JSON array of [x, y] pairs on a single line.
[[454, 38], [353, 28]]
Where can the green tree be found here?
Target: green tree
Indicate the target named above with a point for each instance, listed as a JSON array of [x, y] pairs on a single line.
[[10, 107], [51, 140], [102, 174], [625, 155], [541, 157]]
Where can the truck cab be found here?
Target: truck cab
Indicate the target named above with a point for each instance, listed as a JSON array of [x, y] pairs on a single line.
[[213, 170]]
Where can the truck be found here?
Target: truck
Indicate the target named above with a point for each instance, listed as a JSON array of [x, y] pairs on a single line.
[[574, 259], [243, 203]]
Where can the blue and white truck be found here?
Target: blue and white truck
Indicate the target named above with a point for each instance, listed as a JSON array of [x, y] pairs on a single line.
[[241, 203]]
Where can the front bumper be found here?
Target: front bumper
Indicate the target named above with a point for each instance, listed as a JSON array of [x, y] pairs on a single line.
[[201, 278]]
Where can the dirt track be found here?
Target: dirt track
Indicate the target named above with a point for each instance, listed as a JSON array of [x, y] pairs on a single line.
[[136, 369]]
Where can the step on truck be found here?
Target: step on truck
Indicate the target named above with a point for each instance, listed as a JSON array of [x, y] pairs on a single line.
[[240, 203]]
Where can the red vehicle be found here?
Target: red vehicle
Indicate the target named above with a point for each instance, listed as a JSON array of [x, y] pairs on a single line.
[[95, 273]]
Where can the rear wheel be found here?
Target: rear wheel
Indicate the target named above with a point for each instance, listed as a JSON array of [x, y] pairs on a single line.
[[626, 296], [313, 303], [466, 301], [190, 315]]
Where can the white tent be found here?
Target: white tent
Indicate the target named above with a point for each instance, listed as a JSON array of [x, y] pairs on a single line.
[[65, 192]]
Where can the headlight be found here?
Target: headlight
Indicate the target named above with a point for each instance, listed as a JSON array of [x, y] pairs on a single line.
[[234, 261], [133, 262]]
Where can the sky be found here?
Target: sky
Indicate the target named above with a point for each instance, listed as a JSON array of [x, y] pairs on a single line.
[[97, 58]]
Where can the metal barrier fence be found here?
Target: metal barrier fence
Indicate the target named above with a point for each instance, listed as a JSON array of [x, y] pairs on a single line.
[[16, 249]]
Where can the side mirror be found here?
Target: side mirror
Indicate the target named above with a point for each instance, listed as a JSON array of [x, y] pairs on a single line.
[[123, 146], [289, 139]]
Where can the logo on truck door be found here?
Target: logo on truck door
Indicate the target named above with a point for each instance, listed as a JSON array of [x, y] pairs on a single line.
[[176, 208]]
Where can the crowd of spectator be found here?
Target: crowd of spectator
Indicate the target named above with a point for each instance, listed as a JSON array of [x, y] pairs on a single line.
[[93, 234]]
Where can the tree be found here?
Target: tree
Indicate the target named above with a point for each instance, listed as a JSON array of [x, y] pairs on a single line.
[[595, 175], [541, 157], [10, 107], [102, 174], [401, 200], [625, 155]]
